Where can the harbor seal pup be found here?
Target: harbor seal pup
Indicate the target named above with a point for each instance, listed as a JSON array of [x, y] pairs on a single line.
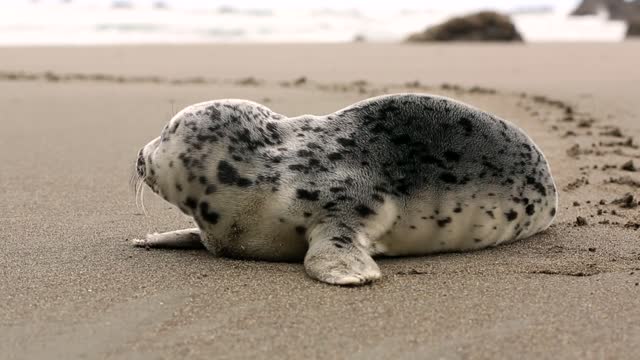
[[405, 174]]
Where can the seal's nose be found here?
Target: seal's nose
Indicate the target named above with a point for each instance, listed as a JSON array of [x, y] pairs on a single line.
[[140, 165]]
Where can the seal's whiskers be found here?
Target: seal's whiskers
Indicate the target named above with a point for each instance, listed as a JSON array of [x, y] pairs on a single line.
[[144, 210], [137, 186]]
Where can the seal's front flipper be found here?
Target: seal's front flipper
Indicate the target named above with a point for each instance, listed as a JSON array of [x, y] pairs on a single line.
[[179, 239], [337, 258]]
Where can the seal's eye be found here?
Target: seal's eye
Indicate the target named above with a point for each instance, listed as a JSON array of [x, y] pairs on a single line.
[[140, 165]]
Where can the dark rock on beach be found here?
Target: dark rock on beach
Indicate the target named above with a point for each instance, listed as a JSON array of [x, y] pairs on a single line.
[[617, 9], [481, 26], [628, 10], [633, 29]]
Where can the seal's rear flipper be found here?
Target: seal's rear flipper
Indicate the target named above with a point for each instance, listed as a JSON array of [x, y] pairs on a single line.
[[179, 239]]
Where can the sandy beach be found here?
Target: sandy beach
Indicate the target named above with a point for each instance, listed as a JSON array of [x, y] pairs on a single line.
[[73, 287]]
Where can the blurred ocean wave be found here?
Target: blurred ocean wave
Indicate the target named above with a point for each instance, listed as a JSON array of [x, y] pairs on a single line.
[[78, 24]]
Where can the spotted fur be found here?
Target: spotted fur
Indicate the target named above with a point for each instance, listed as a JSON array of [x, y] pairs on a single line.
[[404, 174]]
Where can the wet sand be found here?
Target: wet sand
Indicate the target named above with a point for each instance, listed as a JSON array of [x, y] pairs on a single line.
[[72, 286]]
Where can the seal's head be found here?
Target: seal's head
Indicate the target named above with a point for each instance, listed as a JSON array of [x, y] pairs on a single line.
[[207, 146], [174, 164], [144, 164], [163, 166], [145, 171]]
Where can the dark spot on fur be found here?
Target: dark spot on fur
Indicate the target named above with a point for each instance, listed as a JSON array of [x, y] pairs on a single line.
[[444, 222], [272, 127], [208, 216], [364, 211], [344, 240], [379, 128], [402, 139], [452, 156], [305, 153], [276, 159], [174, 128], [430, 160], [308, 195], [540, 188], [467, 126], [215, 113], [335, 156], [530, 209], [190, 202], [244, 182], [448, 178], [228, 175], [511, 215], [330, 205], [346, 142], [210, 189]]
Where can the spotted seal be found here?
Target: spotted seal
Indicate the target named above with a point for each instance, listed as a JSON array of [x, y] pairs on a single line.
[[404, 174]]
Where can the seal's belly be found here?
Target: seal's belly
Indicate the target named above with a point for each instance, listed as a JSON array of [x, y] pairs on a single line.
[[463, 223]]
